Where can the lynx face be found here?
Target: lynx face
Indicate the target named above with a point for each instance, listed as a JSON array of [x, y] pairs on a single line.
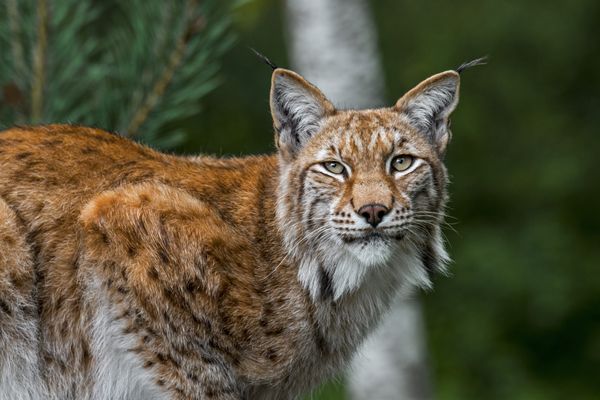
[[369, 180], [362, 187]]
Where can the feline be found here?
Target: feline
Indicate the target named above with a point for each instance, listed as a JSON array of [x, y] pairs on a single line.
[[130, 274]]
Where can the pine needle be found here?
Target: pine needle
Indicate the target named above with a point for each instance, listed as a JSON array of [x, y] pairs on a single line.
[[14, 21], [39, 61]]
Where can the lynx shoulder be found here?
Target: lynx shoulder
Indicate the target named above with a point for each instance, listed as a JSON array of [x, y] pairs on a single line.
[[126, 273]]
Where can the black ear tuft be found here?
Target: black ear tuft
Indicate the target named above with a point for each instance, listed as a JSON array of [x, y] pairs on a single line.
[[264, 58], [471, 64]]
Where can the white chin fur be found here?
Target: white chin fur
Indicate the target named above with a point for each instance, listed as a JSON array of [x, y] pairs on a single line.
[[375, 252], [350, 266]]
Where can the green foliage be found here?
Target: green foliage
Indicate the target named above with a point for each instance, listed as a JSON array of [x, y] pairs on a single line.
[[137, 67]]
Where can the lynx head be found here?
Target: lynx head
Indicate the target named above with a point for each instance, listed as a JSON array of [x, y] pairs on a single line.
[[362, 189]]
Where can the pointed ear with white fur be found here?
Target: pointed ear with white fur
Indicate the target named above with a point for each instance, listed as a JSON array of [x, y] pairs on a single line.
[[429, 105], [297, 108]]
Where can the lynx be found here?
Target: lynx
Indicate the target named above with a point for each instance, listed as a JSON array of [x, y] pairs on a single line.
[[126, 273]]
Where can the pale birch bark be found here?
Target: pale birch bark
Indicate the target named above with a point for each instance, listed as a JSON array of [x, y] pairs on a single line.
[[333, 44]]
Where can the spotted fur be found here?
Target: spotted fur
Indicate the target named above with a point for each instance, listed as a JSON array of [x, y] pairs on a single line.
[[130, 274]]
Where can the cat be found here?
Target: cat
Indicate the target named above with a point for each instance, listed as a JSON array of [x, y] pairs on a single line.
[[126, 273]]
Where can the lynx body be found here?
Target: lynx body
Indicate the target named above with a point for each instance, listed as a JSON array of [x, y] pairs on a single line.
[[130, 274]]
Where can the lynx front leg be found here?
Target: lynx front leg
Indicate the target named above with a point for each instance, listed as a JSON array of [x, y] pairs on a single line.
[[144, 249], [19, 369]]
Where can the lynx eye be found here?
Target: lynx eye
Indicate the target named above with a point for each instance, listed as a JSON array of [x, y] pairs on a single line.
[[401, 163], [334, 167]]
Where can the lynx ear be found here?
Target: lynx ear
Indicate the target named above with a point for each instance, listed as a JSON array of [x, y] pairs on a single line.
[[297, 108], [429, 104]]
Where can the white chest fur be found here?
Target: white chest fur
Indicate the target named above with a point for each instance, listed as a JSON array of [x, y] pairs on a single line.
[[118, 373]]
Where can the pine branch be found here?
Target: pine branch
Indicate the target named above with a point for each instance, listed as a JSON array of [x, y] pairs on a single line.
[[39, 60], [139, 76], [174, 61]]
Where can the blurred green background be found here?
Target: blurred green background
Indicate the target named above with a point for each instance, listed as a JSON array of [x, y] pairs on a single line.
[[520, 316]]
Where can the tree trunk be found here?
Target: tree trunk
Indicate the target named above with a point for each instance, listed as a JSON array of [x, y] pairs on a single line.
[[392, 363], [333, 44]]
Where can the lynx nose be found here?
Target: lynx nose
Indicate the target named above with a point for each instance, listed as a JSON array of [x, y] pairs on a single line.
[[373, 213]]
